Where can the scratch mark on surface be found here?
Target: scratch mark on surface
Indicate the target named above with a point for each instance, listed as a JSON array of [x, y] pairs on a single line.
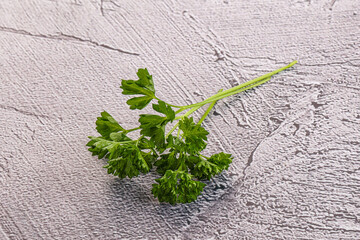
[[238, 123], [4, 169], [24, 112], [4, 234], [102, 7], [76, 3], [251, 158], [9, 226], [349, 62], [66, 37], [219, 55], [31, 130], [332, 4], [70, 37], [115, 4]]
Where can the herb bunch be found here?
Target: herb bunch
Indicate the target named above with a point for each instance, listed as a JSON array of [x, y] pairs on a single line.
[[177, 156]]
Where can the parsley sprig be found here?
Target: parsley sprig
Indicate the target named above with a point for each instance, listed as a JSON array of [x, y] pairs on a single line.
[[177, 157]]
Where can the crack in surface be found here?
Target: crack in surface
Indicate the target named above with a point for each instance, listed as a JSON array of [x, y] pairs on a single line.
[[102, 7], [310, 226], [332, 4], [66, 37], [251, 157], [31, 130], [24, 112], [332, 63], [114, 3]]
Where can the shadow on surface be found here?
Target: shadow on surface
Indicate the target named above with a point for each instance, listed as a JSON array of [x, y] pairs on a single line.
[[131, 203]]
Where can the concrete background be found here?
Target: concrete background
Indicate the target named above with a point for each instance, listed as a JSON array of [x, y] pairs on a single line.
[[296, 172]]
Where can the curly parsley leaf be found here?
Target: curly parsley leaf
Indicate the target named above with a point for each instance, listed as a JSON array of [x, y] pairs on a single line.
[[129, 162], [205, 168], [177, 187], [194, 134], [126, 158], [221, 160], [168, 161], [139, 102]]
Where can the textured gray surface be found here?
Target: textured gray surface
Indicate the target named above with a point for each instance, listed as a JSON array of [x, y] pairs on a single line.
[[296, 172]]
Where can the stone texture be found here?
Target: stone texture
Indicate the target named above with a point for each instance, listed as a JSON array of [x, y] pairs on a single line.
[[296, 172]]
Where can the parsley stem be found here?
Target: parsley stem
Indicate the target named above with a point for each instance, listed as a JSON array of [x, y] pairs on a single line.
[[175, 106], [180, 110], [133, 129], [189, 112], [265, 76], [200, 104], [235, 92], [208, 110], [180, 117], [137, 141], [242, 87], [173, 129]]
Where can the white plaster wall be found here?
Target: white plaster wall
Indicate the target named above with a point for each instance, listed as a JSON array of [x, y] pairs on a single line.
[[296, 171]]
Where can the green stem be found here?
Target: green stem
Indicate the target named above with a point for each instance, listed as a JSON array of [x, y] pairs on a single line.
[[175, 106], [265, 76], [181, 117], [208, 110], [200, 104], [137, 141], [188, 113], [223, 94], [173, 129], [133, 129], [235, 90], [180, 110]]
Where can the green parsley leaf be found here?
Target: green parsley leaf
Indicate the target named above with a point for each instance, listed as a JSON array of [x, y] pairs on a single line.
[[153, 126], [203, 169], [143, 86], [221, 160], [168, 161], [125, 157], [206, 168], [129, 163], [162, 107], [177, 187], [194, 134], [106, 124], [139, 102]]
